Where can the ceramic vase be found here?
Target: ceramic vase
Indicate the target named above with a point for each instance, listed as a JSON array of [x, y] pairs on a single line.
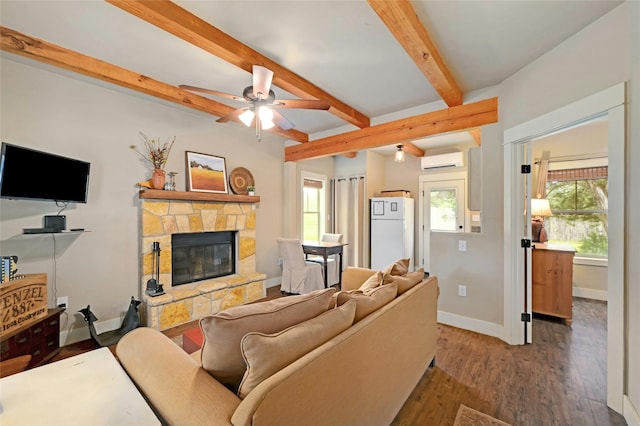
[[158, 178]]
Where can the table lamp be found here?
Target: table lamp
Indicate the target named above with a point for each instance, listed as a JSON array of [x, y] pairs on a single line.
[[539, 210]]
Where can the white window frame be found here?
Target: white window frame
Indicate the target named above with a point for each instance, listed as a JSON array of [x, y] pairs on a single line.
[[306, 175]]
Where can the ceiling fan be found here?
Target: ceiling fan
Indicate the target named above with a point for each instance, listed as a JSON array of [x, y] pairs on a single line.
[[262, 102]]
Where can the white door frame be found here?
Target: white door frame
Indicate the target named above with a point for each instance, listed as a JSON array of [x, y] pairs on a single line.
[[424, 233], [611, 102]]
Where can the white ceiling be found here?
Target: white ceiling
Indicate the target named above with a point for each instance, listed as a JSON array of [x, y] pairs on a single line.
[[341, 46]]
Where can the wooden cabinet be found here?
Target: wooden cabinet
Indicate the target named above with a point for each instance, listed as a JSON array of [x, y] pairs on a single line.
[[40, 339], [552, 281]]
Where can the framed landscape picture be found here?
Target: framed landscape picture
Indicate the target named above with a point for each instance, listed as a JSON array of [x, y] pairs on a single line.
[[206, 173]]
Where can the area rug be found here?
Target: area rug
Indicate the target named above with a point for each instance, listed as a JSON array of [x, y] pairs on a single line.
[[469, 417], [177, 340]]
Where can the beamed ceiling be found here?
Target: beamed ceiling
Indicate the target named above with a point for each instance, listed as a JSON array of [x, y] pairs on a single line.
[[397, 37]]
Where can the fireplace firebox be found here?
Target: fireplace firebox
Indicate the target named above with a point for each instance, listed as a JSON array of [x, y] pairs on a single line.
[[202, 255]]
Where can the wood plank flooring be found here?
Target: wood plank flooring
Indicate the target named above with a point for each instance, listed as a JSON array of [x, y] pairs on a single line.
[[560, 379]]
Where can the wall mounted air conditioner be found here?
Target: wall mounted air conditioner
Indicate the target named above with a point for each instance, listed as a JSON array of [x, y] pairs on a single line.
[[452, 159]]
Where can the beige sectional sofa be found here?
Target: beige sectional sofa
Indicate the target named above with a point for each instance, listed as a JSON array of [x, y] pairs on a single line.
[[355, 373]]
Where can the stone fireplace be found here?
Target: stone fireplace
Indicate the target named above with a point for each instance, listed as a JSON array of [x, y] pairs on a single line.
[[208, 289], [197, 256]]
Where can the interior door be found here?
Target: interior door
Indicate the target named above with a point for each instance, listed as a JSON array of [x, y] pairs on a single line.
[[525, 156], [443, 210]]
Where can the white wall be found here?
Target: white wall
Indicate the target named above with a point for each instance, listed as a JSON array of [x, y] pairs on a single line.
[[590, 278], [566, 74], [58, 113], [480, 267]]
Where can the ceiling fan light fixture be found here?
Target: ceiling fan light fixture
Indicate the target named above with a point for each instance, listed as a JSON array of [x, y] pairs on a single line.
[[266, 125], [247, 117], [266, 117], [399, 155], [262, 78], [261, 100]]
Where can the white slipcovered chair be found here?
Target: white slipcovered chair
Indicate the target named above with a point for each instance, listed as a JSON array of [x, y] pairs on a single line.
[[298, 275], [333, 267]]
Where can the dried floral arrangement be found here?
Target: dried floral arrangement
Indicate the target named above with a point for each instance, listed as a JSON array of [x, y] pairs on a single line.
[[156, 153]]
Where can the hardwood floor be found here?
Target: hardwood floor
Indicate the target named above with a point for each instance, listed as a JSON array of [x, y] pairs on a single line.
[[560, 379]]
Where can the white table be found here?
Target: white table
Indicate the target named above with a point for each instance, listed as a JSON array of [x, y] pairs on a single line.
[[86, 389]]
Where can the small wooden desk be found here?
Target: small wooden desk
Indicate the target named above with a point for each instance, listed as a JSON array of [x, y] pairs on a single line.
[[325, 249], [87, 389]]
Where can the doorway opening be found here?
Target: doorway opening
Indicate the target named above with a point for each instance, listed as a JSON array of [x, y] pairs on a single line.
[[610, 102], [442, 208]]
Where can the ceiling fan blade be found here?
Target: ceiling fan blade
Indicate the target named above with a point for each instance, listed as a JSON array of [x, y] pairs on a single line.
[[232, 116], [262, 78], [302, 104], [281, 121], [211, 92]]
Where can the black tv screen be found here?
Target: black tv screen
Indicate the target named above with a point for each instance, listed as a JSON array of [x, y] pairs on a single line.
[[29, 174]]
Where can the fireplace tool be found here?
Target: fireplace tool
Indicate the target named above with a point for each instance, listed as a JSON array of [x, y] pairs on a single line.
[[154, 288]]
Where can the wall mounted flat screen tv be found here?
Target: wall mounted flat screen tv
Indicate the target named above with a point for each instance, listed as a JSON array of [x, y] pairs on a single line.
[[28, 174]]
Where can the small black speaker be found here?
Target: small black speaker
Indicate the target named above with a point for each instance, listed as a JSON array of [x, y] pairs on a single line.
[[55, 223]]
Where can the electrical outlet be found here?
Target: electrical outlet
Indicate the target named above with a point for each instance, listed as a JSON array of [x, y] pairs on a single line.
[[462, 290], [462, 245], [63, 302], [279, 261]]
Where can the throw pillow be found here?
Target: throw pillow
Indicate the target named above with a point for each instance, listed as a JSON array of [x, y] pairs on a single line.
[[407, 281], [368, 302], [399, 267], [375, 280], [266, 354], [222, 332]]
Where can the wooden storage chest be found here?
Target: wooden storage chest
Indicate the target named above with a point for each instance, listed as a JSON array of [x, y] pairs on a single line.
[[552, 281], [41, 339], [22, 302]]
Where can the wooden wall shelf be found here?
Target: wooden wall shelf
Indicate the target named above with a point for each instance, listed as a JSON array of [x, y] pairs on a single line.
[[159, 194]]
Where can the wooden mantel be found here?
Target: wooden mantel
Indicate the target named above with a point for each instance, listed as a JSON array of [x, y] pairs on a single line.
[[159, 194]]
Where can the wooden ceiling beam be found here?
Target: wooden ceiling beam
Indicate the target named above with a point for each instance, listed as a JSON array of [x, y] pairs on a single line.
[[476, 134], [401, 19], [410, 148], [397, 132], [49, 53], [172, 18]]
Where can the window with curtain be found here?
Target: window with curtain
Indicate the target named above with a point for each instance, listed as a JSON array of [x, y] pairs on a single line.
[[579, 203], [312, 211]]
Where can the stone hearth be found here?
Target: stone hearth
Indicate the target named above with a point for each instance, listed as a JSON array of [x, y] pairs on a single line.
[[160, 218]]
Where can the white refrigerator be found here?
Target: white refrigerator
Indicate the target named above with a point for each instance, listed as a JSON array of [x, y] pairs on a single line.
[[391, 231]]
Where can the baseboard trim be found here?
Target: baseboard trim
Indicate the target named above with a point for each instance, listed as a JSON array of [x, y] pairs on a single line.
[[272, 282], [466, 323], [79, 334], [588, 293], [630, 413]]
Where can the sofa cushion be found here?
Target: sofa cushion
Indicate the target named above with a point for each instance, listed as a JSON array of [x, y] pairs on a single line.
[[375, 280], [368, 302], [406, 281], [399, 267], [222, 332], [266, 354]]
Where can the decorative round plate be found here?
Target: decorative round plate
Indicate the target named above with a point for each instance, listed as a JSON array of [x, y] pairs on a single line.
[[239, 179]]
